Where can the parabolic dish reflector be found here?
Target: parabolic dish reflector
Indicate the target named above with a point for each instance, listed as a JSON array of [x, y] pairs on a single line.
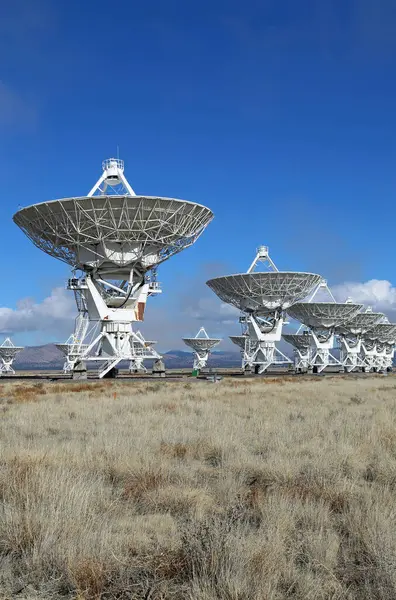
[[270, 291], [325, 315], [9, 352], [64, 348], [113, 231], [201, 344], [298, 340], [239, 340], [68, 348], [382, 332], [360, 323]]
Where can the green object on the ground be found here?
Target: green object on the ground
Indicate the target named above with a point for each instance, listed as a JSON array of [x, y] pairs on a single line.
[[195, 373]]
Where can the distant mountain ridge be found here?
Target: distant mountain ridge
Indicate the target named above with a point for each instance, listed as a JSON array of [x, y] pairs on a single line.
[[40, 357], [48, 357]]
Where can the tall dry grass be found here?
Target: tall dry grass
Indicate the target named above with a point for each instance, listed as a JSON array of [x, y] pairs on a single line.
[[246, 490]]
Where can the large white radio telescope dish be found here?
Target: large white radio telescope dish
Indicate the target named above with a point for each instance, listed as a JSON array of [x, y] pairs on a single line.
[[323, 315], [360, 323], [382, 332], [270, 291], [113, 233], [117, 239]]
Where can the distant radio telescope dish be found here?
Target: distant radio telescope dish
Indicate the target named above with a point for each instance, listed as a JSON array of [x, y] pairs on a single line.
[[301, 341], [263, 298], [66, 348], [63, 347], [7, 354], [239, 340], [360, 323], [202, 344], [302, 344], [323, 315], [322, 318], [8, 351], [270, 291], [382, 332]]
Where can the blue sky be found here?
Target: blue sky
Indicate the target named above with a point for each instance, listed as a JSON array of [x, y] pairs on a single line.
[[279, 116]]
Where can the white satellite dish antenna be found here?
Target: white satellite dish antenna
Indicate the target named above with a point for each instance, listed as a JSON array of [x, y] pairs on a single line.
[[8, 352], [73, 349], [202, 345], [239, 340], [323, 318], [378, 346], [142, 351], [351, 335], [117, 239], [301, 343], [263, 298]]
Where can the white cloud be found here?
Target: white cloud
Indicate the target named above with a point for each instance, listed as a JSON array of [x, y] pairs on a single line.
[[54, 315], [377, 293], [211, 309]]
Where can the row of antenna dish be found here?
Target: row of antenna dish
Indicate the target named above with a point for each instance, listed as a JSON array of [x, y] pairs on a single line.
[[117, 238], [266, 298]]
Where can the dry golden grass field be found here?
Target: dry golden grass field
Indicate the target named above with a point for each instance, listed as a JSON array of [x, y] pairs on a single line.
[[258, 489]]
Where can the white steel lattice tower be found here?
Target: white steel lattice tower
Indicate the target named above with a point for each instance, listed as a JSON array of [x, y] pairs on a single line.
[[263, 298], [7, 354], [202, 345], [116, 239]]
